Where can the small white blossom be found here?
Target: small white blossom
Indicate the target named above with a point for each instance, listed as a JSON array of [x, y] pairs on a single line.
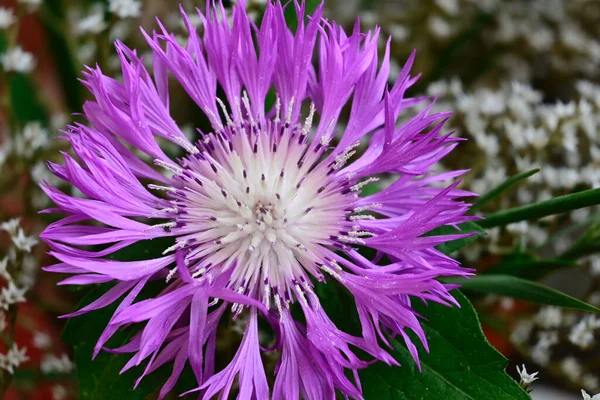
[[586, 396], [11, 226], [526, 379], [368, 18], [18, 60], [519, 228], [450, 7], [571, 368], [595, 265], [549, 317], [594, 299], [541, 351], [53, 364], [125, 8], [581, 334], [24, 243], [31, 4], [521, 332], [33, 138], [11, 295], [399, 32], [93, 23], [439, 27], [7, 18], [59, 120], [13, 359], [41, 340], [120, 31], [2, 321]]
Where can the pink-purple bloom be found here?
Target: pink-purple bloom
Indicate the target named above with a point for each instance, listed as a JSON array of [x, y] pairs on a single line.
[[261, 207]]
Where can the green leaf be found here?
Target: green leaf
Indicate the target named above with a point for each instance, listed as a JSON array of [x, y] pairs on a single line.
[[512, 286], [454, 245], [528, 267], [25, 103], [54, 20], [503, 187], [291, 18], [99, 379], [461, 364], [557, 205]]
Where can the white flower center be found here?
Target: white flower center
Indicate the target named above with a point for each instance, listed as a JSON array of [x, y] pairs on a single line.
[[260, 203]]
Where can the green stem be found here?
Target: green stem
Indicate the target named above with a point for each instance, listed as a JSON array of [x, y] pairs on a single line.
[[557, 205]]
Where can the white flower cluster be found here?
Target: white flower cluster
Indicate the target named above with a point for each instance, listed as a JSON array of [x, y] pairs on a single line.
[[31, 139], [91, 23], [528, 39], [511, 131], [526, 378], [7, 17], [582, 334], [18, 60], [586, 396], [13, 358], [52, 364], [551, 333], [125, 8], [17, 285]]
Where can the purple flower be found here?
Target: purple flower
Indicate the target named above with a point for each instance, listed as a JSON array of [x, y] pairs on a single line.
[[263, 207]]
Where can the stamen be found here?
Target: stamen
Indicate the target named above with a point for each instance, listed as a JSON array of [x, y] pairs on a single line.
[[227, 116], [360, 185], [332, 273], [186, 145], [168, 166], [165, 188], [361, 217], [172, 273], [351, 239], [309, 120], [367, 207], [288, 117], [361, 233], [165, 225], [277, 109], [179, 245]]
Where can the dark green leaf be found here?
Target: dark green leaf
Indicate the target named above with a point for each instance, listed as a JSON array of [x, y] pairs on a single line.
[[557, 205], [100, 379], [528, 267], [461, 364], [512, 286], [290, 13], [454, 245], [62, 45], [26, 105], [507, 184]]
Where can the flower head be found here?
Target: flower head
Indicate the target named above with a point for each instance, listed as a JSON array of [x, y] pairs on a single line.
[[586, 396], [526, 378], [7, 17], [125, 8], [264, 206], [18, 60]]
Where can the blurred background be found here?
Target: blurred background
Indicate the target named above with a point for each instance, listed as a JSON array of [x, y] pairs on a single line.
[[522, 77]]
